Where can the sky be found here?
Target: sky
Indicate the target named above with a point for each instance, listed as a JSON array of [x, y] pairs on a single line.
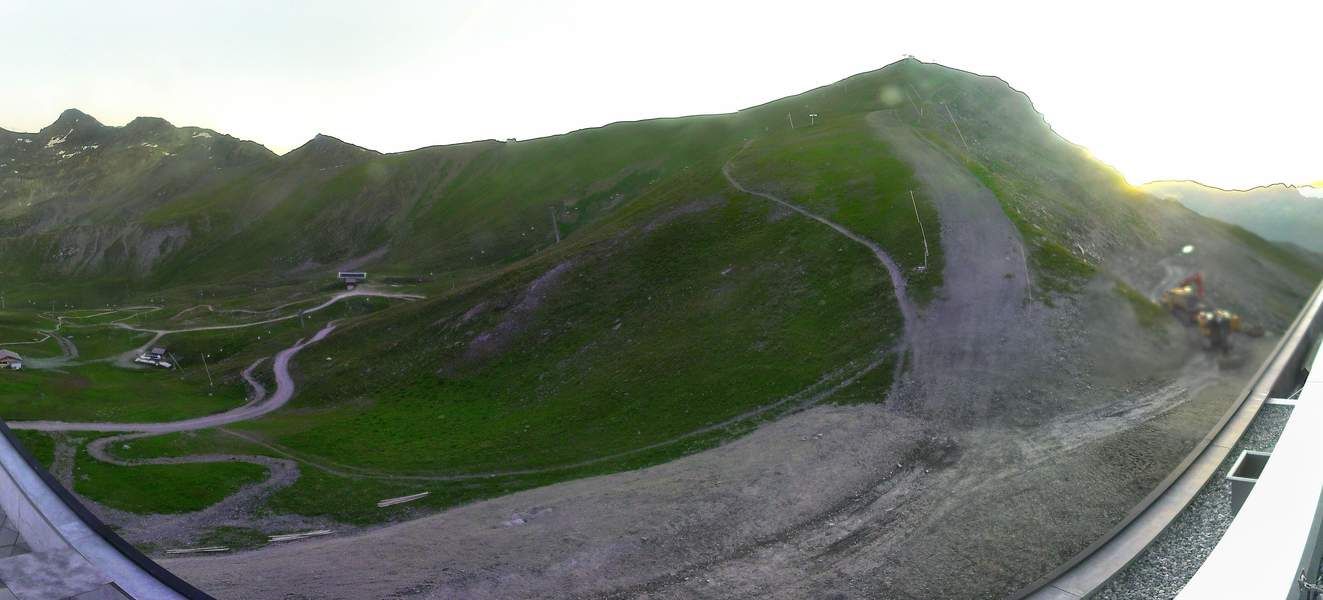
[[1226, 93]]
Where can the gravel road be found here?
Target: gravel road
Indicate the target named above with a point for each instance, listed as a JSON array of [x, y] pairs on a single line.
[[234, 510], [68, 353], [126, 359], [252, 410], [973, 338], [237, 509]]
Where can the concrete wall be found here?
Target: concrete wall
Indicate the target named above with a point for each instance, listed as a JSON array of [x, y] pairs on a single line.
[[47, 524], [16, 477]]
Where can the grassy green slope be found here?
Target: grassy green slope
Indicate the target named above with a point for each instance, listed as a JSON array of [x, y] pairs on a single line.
[[101, 392], [673, 306], [160, 488], [643, 336], [839, 169], [694, 305]]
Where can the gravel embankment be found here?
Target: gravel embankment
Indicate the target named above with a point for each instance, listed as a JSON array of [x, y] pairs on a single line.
[[1163, 569]]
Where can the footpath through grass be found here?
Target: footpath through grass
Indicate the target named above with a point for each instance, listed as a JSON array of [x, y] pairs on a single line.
[[840, 170], [163, 489]]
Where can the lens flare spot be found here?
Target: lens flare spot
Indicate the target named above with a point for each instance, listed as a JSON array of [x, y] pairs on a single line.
[[891, 96]]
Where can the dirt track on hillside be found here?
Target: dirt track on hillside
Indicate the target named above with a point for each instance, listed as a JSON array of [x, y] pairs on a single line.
[[237, 509], [234, 510], [252, 410], [898, 284], [969, 342]]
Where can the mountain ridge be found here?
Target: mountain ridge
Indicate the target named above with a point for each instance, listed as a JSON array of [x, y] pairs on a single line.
[[1280, 212], [1297, 187], [199, 181], [754, 107]]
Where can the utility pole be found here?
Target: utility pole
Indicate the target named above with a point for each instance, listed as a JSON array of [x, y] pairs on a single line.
[[554, 225], [792, 120], [921, 232], [916, 95], [204, 366], [915, 105], [957, 125]]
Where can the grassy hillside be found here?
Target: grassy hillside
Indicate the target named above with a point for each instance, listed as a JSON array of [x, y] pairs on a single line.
[[674, 312], [839, 169], [630, 343]]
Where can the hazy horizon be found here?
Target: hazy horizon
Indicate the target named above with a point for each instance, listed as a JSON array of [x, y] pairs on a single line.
[[1140, 86]]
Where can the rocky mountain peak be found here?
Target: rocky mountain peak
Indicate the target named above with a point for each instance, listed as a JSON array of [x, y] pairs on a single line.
[[72, 125], [325, 149], [147, 125], [73, 117]]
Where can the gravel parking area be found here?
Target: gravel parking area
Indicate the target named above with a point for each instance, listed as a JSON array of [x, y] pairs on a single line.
[[1163, 569]]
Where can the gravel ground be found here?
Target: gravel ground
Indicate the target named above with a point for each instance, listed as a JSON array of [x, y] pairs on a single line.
[[1162, 570]]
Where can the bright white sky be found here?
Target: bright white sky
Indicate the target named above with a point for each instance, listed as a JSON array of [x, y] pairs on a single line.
[[1228, 93]]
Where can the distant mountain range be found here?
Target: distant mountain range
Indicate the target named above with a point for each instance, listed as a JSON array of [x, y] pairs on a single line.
[[1278, 212]]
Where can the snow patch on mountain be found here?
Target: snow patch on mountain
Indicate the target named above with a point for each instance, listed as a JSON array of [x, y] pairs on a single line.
[[59, 139]]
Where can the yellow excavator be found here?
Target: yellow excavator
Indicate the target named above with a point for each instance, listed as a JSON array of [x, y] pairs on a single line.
[[1187, 298], [1216, 325]]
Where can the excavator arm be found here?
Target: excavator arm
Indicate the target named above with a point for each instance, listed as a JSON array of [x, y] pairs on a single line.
[[1197, 280]]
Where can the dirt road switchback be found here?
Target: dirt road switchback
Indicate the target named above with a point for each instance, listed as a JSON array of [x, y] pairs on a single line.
[[284, 391]]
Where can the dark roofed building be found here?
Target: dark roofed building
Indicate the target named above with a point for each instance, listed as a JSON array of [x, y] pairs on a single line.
[[352, 278]]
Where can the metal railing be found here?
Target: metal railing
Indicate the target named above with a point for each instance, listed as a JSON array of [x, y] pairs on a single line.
[[1272, 543]]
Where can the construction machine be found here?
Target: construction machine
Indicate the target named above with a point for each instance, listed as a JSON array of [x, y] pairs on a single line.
[[1187, 298], [1216, 325]]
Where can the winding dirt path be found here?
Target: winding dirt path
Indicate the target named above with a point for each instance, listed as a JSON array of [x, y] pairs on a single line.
[[68, 353], [211, 308], [45, 336], [907, 310], [234, 509], [252, 410], [281, 472], [126, 359]]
